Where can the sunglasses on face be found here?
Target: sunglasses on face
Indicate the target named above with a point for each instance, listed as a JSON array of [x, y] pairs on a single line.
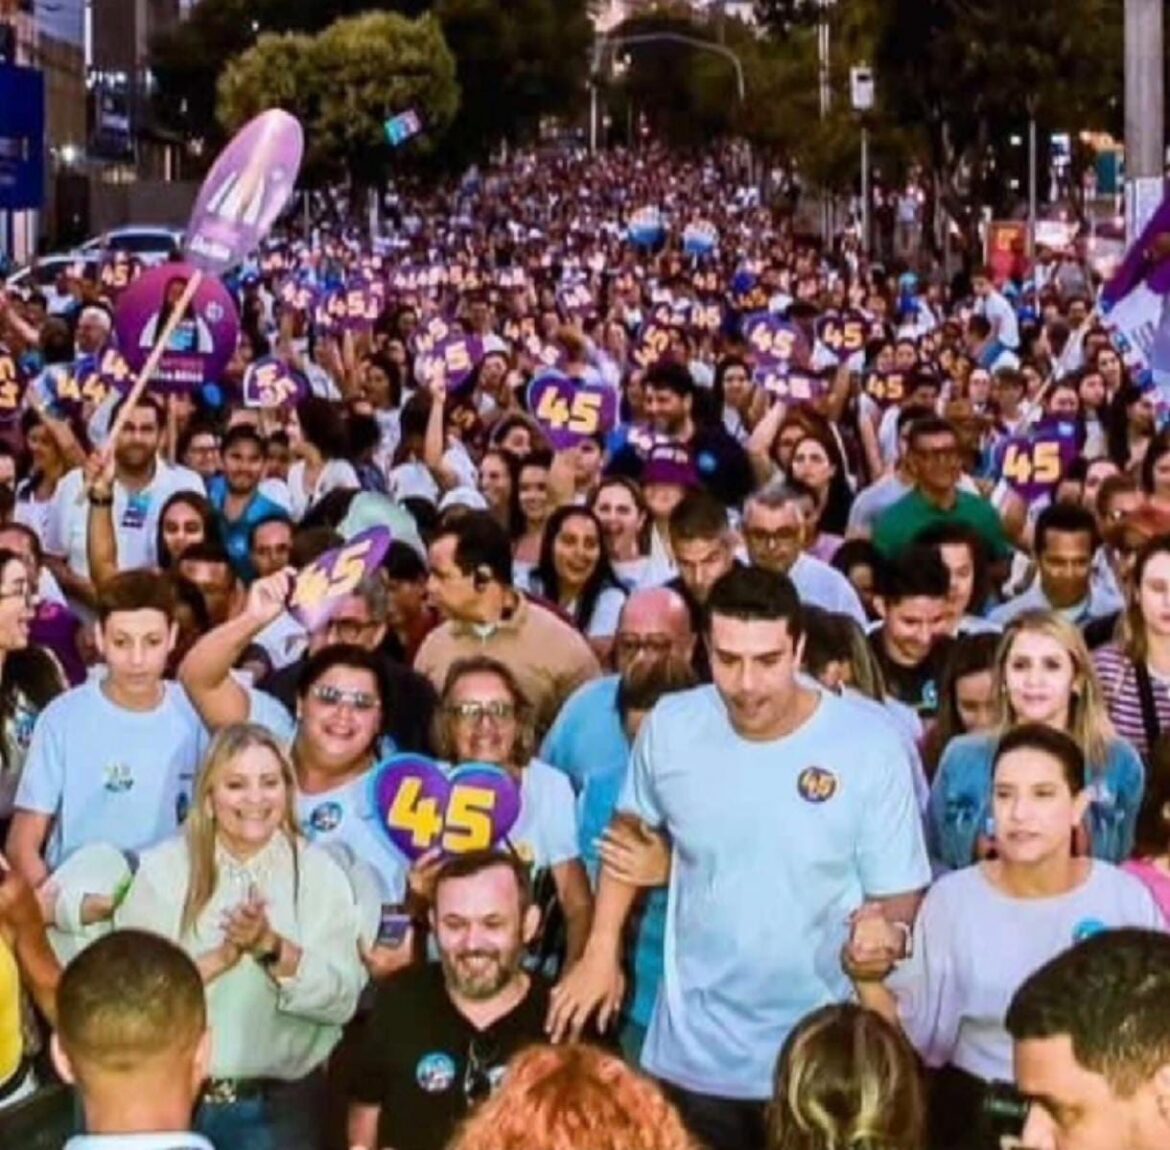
[[336, 697], [475, 712]]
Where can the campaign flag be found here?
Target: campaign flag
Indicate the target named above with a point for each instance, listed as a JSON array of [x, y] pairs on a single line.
[[1135, 303]]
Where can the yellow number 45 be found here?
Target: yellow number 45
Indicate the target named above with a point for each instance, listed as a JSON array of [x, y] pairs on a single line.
[[1037, 463]]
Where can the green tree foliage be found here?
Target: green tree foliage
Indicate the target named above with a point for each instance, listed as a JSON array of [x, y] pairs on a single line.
[[517, 62], [968, 75], [343, 84]]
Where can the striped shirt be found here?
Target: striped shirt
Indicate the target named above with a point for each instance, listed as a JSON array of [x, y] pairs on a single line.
[[1118, 680]]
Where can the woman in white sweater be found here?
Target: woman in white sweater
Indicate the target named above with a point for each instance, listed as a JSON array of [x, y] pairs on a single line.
[[272, 924], [982, 930]]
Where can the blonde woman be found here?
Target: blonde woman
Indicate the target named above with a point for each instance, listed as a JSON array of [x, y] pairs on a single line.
[[272, 924], [1042, 674], [846, 1077]]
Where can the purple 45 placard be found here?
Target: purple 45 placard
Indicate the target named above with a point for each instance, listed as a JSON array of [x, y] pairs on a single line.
[[421, 807], [569, 411], [1035, 462], [323, 585]]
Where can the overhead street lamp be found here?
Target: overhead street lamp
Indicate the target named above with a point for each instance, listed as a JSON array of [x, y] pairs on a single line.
[[607, 42]]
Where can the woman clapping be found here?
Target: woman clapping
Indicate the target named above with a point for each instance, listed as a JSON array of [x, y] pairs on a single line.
[[272, 924]]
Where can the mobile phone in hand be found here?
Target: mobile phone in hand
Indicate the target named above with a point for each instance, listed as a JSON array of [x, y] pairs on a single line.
[[392, 925]]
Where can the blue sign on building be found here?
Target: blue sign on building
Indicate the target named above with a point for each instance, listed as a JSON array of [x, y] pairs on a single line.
[[22, 138]]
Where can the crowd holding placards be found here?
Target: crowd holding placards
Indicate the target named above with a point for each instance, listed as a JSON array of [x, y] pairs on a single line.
[[586, 610]]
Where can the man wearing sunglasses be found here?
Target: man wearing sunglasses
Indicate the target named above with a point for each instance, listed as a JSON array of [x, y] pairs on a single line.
[[442, 1033]]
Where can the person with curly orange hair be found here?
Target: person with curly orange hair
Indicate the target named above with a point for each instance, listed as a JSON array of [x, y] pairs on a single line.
[[573, 1098]]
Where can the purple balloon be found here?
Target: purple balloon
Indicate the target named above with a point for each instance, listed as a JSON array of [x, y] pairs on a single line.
[[569, 411], [323, 585], [420, 806], [201, 345], [248, 186]]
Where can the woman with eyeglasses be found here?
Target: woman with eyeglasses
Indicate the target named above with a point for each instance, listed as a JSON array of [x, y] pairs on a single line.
[[272, 924], [485, 718], [1043, 674], [335, 743]]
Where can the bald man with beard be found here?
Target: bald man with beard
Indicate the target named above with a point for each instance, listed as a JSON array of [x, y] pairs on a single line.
[[590, 742]]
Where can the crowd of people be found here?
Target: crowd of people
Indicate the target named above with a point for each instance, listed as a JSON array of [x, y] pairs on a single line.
[[817, 610]]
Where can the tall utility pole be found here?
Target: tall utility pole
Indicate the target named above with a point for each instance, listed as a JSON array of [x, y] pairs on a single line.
[[825, 92], [1145, 141]]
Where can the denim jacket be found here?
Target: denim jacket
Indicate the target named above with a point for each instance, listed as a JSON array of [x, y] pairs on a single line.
[[960, 801]]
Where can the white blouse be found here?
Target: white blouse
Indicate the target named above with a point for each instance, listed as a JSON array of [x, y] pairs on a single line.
[[263, 1027]]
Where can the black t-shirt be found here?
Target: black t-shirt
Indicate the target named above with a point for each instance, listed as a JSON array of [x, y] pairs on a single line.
[[917, 687], [421, 1061]]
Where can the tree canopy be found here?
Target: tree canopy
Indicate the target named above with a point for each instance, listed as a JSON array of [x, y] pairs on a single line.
[[344, 83]]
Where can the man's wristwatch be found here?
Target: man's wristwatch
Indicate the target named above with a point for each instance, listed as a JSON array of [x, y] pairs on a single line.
[[269, 958], [100, 500]]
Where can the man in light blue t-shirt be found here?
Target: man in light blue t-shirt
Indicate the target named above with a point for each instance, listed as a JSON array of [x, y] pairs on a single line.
[[785, 816], [589, 743], [114, 760]]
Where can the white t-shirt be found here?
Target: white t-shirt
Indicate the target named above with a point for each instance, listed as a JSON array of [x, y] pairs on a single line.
[[109, 775], [824, 586], [954, 990], [336, 473], [136, 518], [545, 834]]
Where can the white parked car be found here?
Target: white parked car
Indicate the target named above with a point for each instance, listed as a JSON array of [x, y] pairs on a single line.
[[152, 245], [44, 275]]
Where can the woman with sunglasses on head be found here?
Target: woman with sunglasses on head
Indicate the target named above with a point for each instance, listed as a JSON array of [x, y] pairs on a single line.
[[1035, 898], [335, 743], [574, 573], [272, 924], [485, 718], [1043, 674]]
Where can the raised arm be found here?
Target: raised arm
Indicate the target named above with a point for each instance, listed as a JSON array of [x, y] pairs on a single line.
[[206, 672]]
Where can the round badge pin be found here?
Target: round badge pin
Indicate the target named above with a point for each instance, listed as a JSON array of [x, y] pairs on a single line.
[[816, 785]]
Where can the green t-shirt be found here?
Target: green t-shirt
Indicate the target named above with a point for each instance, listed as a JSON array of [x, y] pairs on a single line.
[[897, 526]]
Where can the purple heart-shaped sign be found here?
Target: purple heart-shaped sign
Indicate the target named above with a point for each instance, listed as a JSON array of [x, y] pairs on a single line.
[[421, 806], [569, 411], [321, 587]]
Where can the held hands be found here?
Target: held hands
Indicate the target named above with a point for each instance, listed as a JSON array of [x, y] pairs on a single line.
[[874, 945], [633, 854]]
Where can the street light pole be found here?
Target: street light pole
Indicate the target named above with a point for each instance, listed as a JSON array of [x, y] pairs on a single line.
[[1031, 179], [1145, 164]]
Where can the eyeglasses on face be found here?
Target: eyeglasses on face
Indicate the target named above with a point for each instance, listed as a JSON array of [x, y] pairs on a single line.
[[651, 644], [771, 540], [347, 630], [329, 696], [473, 711], [22, 591]]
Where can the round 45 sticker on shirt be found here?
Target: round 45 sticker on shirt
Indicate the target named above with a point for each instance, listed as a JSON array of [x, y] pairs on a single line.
[[423, 807]]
